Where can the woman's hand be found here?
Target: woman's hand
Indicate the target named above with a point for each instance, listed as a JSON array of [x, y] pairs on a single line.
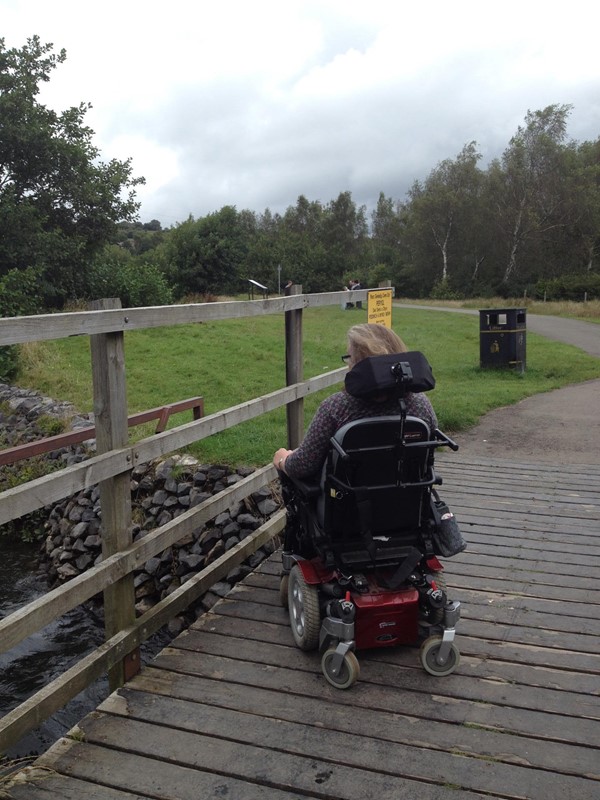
[[280, 457]]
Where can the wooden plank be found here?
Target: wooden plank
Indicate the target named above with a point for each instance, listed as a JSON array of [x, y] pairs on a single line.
[[430, 742], [336, 779], [99, 769], [245, 618], [294, 371], [38, 783], [110, 414], [223, 640], [412, 679], [41, 327], [406, 727], [435, 700]]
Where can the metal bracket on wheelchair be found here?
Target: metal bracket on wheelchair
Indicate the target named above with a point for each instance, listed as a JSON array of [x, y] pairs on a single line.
[[336, 630], [288, 560], [451, 617], [451, 614]]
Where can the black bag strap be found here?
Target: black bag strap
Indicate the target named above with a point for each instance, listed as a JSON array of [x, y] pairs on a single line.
[[404, 570], [365, 516]]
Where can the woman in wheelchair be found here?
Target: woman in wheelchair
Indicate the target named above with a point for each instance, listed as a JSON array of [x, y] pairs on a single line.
[[338, 409], [359, 566]]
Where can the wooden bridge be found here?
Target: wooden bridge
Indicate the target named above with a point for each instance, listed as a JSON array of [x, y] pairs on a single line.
[[232, 709]]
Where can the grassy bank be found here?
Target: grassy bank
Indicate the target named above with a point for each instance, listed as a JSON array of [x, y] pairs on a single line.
[[231, 361]]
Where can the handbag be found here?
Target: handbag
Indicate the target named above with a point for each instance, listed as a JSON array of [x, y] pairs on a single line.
[[447, 538]]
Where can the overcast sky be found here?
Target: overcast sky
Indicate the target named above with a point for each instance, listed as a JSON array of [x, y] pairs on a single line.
[[252, 103]]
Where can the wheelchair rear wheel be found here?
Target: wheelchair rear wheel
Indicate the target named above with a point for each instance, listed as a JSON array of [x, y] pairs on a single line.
[[348, 674], [303, 606], [428, 653]]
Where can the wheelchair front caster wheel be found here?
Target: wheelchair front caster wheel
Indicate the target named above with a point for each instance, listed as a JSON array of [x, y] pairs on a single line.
[[348, 673], [429, 652], [283, 590]]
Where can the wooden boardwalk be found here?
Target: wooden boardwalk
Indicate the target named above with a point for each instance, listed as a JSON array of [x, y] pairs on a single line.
[[233, 710]]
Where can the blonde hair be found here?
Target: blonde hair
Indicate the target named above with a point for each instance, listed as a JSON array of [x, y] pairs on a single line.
[[373, 340]]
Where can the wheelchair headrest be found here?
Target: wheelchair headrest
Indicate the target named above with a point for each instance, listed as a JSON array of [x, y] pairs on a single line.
[[395, 375]]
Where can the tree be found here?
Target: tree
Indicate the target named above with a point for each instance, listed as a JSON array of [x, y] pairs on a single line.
[[59, 203], [301, 245], [584, 198], [387, 232], [345, 235], [530, 185], [205, 256], [441, 209]]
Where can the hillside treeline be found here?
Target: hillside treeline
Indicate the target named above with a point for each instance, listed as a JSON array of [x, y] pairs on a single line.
[[69, 229], [529, 221]]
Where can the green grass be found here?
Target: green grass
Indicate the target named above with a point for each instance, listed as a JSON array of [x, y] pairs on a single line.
[[231, 361]]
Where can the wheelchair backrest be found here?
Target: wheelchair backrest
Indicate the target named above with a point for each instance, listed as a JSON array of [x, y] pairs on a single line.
[[377, 477]]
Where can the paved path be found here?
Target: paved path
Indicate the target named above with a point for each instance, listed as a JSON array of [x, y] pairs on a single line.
[[560, 426]]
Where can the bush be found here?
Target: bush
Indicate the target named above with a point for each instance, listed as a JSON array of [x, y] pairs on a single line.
[[442, 291], [116, 274], [18, 297], [570, 287]]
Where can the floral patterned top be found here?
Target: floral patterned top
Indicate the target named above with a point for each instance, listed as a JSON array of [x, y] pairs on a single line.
[[337, 410]]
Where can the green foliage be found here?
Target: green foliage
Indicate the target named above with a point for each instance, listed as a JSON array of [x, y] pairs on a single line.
[[115, 273], [570, 287], [18, 297], [19, 292], [442, 291], [205, 255], [59, 203], [9, 363], [51, 426], [29, 528]]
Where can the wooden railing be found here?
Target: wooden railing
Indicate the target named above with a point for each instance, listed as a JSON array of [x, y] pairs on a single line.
[[110, 468]]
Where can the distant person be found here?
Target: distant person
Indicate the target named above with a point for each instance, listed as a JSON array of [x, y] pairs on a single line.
[[349, 288], [287, 289], [356, 285]]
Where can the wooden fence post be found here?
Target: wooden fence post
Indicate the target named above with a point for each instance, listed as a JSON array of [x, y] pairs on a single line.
[[110, 411], [294, 371]]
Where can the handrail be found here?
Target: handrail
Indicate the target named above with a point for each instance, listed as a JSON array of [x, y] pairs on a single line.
[[110, 467]]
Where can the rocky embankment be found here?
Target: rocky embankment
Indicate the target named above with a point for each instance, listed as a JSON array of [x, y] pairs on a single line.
[[160, 491]]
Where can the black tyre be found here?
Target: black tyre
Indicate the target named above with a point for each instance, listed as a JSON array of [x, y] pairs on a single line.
[[303, 607], [283, 590]]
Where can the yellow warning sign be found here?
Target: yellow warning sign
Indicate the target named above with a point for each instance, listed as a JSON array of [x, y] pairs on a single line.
[[379, 308]]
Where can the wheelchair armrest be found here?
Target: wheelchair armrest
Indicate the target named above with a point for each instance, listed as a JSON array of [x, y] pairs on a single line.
[[307, 487], [445, 440]]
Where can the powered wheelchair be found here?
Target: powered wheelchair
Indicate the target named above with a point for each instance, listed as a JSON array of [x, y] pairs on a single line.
[[359, 557]]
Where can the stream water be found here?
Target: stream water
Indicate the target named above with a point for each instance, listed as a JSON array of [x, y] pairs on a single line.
[[45, 655]]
